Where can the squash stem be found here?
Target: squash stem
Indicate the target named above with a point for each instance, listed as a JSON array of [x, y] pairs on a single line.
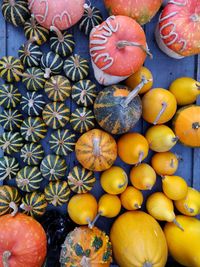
[[172, 163], [190, 210], [141, 155], [33, 24], [91, 224], [85, 262], [147, 264], [5, 257], [96, 147], [136, 206], [178, 225], [164, 106], [196, 125], [26, 45], [89, 10], [198, 85], [58, 32], [12, 2], [47, 73], [13, 206], [124, 43], [74, 181], [55, 200]]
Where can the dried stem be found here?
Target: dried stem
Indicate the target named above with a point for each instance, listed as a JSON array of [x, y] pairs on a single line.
[[122, 44]]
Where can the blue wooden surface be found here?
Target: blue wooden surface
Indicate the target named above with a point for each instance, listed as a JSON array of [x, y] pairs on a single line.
[[164, 70]]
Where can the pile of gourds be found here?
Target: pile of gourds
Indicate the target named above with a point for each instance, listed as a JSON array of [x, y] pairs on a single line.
[[52, 79]]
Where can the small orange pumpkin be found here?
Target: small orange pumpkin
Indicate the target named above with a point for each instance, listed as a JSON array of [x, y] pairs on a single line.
[[96, 150]]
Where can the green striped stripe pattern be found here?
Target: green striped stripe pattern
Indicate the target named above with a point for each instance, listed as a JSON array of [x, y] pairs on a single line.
[[32, 153], [8, 194], [65, 47], [31, 55], [10, 96], [57, 193], [82, 120], [34, 204], [84, 93], [11, 142], [81, 180], [32, 103], [76, 68], [53, 168], [16, 14], [51, 63], [29, 179], [11, 119], [8, 67], [62, 142], [33, 129], [35, 80], [9, 168]]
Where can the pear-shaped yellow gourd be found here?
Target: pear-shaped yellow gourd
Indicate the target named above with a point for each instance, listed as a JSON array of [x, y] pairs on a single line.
[[114, 180], [161, 138], [161, 208], [174, 187], [190, 205], [131, 198], [165, 163], [82, 208]]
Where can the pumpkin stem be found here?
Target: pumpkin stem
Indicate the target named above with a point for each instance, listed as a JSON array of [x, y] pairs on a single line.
[[23, 182], [58, 32], [198, 85], [141, 155], [196, 125], [164, 106], [134, 93], [147, 264], [55, 200], [12, 2], [172, 163], [85, 262], [96, 147], [137, 206], [178, 225], [124, 43], [30, 131], [13, 206], [5, 257], [26, 45], [74, 181], [47, 73], [26, 208], [6, 145], [89, 10], [190, 210], [33, 22], [175, 139], [25, 75], [91, 224], [82, 95]]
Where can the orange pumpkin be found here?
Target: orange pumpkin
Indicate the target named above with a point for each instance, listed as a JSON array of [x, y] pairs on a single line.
[[23, 242], [86, 247], [187, 125], [96, 150]]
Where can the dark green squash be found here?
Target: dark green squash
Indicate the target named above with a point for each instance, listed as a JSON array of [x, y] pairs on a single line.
[[84, 93], [10, 96], [32, 153], [57, 193], [62, 142], [82, 120], [51, 63], [11, 119], [10, 68], [58, 88], [61, 43], [53, 168], [9, 167], [30, 53], [15, 11], [34, 204], [92, 17], [11, 142], [33, 29], [56, 115], [76, 68], [81, 180], [29, 179], [9, 200], [33, 129], [32, 103], [33, 79]]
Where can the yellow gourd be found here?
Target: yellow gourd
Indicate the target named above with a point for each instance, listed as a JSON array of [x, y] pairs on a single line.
[[165, 163], [143, 176], [184, 246], [190, 205], [114, 180], [161, 138], [186, 90], [138, 240], [131, 198], [82, 208], [174, 187]]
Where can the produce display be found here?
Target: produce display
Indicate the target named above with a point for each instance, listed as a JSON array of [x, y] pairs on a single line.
[[97, 145]]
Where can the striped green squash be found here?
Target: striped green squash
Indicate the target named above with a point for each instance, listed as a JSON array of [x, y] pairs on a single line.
[[29, 179], [34, 204], [51, 63], [82, 120], [58, 88], [53, 168], [32, 153], [81, 180], [56, 115], [57, 193], [61, 43], [9, 168], [84, 93], [9, 200], [33, 129], [62, 142], [15, 12], [11, 142], [33, 29], [76, 68], [34, 79], [32, 103], [10, 69], [10, 96], [11, 119]]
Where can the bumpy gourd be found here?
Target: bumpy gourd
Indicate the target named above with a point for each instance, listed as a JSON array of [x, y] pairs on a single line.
[[10, 68], [10, 96], [32, 103], [9, 200], [32, 153], [9, 167], [11, 142], [51, 63], [57, 193], [11, 119]]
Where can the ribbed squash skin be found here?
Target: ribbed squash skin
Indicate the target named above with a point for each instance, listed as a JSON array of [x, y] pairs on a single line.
[[8, 67], [9, 96], [11, 142], [32, 103], [32, 153], [34, 204], [30, 55], [8, 196], [9, 167], [51, 63], [11, 119], [57, 193], [35, 81]]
